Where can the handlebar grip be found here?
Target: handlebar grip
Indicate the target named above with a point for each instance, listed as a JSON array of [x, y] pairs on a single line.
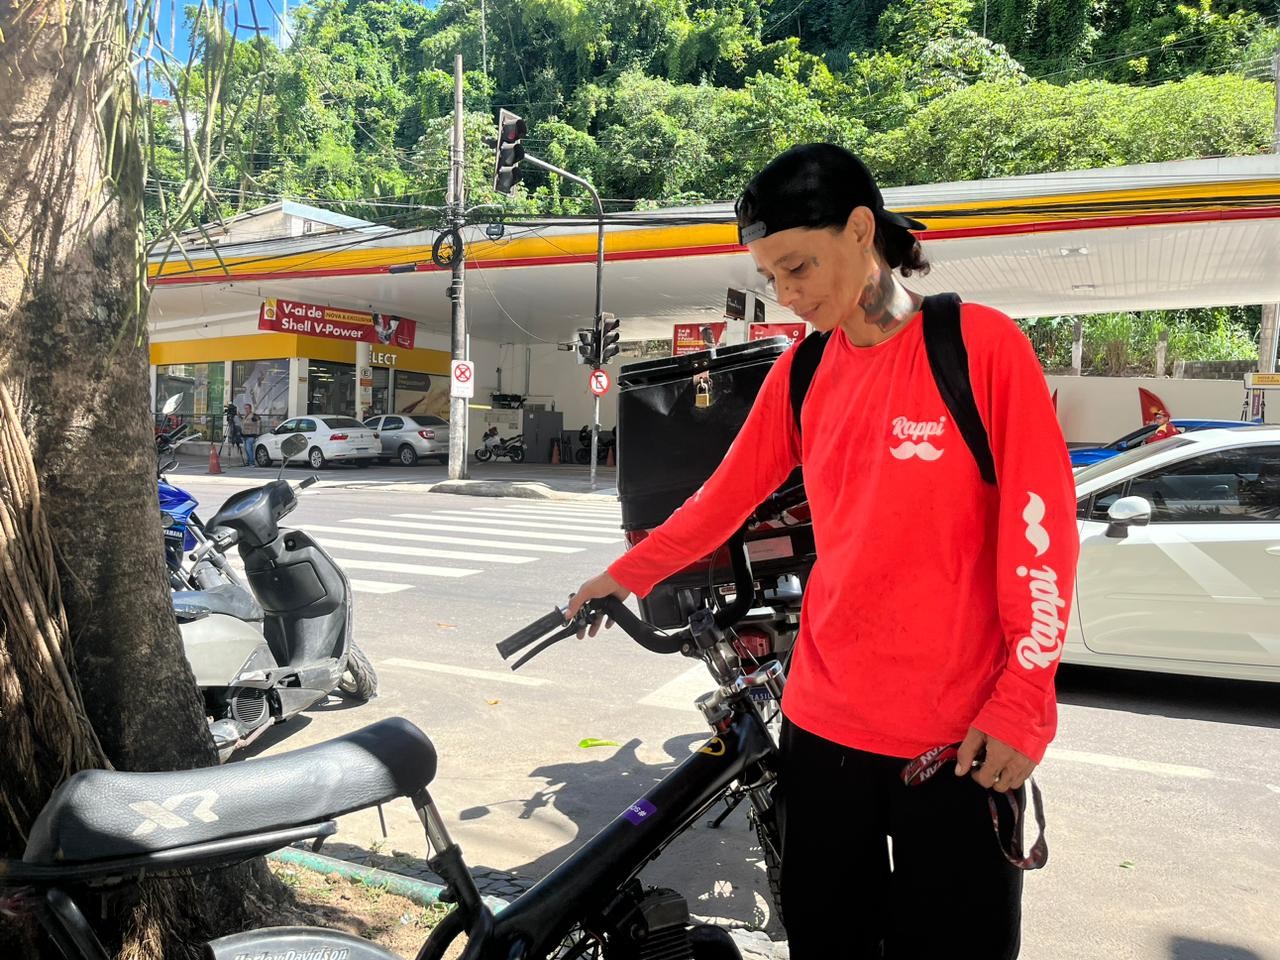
[[652, 640], [534, 631]]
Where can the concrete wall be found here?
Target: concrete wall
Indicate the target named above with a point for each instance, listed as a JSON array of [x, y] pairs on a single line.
[[1099, 409]]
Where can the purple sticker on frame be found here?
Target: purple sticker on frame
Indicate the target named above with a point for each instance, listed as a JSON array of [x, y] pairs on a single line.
[[640, 811]]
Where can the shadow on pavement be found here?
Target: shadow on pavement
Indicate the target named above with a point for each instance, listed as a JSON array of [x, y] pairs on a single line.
[[717, 870], [1251, 703], [1182, 948]]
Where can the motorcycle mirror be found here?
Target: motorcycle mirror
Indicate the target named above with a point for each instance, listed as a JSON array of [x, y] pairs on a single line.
[[172, 403], [290, 448]]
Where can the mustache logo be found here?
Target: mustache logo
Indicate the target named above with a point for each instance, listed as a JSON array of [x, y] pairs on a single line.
[[924, 450], [1032, 514]]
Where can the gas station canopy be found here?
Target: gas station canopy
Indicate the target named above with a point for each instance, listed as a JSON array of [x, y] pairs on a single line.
[[1186, 234]]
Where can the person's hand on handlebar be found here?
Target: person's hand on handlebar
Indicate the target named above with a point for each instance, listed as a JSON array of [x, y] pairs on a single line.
[[594, 589]]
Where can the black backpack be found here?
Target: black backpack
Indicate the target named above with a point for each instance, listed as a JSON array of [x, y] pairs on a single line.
[[948, 360]]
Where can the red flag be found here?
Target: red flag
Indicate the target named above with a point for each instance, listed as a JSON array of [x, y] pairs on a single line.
[[1151, 405], [1055, 401]]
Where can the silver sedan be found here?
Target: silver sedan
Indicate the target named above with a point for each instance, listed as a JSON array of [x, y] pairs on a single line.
[[407, 439]]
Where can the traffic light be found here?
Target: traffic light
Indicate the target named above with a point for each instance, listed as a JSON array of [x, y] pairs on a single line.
[[587, 347], [511, 131], [609, 337]]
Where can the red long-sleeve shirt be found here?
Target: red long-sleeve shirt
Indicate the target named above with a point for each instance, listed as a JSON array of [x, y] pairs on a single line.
[[937, 601]]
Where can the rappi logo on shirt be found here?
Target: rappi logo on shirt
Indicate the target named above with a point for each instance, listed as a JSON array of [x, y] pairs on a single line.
[[1043, 643], [915, 435]]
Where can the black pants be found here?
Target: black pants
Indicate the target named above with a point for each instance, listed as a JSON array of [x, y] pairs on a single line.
[[950, 891]]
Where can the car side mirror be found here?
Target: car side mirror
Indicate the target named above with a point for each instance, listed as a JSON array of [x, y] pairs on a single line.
[[1125, 513]]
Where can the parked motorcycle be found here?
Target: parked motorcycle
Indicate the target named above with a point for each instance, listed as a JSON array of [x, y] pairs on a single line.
[[512, 448], [604, 443], [263, 653]]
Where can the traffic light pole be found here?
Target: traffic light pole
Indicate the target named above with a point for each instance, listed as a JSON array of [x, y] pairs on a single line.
[[595, 417], [457, 405]]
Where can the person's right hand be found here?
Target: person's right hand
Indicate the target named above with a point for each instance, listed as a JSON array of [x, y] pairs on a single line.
[[597, 587]]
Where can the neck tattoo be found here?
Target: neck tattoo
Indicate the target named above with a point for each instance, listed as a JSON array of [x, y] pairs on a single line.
[[885, 303]]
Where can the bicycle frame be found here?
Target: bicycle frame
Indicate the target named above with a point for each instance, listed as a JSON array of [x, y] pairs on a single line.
[[590, 880]]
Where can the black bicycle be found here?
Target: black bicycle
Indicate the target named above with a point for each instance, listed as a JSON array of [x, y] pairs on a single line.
[[105, 828]]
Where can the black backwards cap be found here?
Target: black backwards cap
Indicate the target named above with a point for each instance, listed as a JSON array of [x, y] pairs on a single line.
[[811, 185]]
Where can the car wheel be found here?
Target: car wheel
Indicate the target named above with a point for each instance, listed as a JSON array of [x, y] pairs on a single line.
[[316, 459], [261, 457], [408, 455]]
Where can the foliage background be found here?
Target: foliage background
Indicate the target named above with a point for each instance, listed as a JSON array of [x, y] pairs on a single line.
[[671, 102]]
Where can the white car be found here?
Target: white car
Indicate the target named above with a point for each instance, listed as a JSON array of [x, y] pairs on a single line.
[[340, 439], [1180, 557]]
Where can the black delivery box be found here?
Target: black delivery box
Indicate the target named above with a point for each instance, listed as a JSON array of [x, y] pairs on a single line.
[[668, 445]]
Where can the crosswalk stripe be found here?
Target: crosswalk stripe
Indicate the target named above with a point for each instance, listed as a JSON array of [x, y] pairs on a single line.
[[415, 569], [506, 515], [377, 586], [342, 545], [456, 526], [613, 511], [432, 538], [384, 566], [491, 675], [463, 515], [602, 518]]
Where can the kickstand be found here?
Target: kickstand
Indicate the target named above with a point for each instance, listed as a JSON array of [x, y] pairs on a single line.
[[383, 821], [730, 806]]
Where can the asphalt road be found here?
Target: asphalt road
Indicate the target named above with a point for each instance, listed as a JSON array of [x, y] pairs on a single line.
[[1162, 794]]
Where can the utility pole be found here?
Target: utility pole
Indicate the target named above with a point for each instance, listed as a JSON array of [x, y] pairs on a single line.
[[1267, 331], [599, 320], [457, 405]]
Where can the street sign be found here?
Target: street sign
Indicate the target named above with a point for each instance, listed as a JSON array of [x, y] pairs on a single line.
[[1262, 381], [599, 382], [462, 381]]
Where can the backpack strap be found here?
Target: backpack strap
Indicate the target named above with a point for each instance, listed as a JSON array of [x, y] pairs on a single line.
[[803, 366], [949, 362]]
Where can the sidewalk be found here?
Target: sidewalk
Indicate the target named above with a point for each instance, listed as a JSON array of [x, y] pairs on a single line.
[[538, 481]]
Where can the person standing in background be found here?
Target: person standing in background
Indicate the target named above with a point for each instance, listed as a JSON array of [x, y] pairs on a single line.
[[250, 428]]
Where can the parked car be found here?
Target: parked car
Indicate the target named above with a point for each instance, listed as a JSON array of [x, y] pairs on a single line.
[[329, 438], [1180, 557], [408, 439], [1083, 456]]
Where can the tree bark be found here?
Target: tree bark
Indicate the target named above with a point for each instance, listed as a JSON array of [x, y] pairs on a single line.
[[92, 670]]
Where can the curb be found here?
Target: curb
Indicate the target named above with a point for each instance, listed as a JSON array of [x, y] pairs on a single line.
[[524, 489], [754, 944], [418, 891]]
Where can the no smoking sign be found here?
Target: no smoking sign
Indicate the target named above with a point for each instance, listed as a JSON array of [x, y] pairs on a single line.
[[462, 382], [599, 382]]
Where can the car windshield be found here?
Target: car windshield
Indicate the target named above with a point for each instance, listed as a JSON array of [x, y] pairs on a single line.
[[1134, 455], [429, 421], [347, 422]]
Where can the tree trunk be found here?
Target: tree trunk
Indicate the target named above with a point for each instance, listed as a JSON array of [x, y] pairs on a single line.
[[91, 664]]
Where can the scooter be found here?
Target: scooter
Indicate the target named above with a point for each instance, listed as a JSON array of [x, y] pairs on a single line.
[[264, 654], [512, 448]]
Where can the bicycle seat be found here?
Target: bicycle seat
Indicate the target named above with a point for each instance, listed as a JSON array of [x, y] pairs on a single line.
[[225, 598], [99, 815]]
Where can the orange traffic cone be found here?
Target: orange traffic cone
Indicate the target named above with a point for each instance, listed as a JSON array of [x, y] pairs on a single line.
[[215, 466], [609, 462], [555, 451]]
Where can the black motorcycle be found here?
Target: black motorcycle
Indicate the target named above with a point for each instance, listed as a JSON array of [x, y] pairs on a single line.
[[99, 828]]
